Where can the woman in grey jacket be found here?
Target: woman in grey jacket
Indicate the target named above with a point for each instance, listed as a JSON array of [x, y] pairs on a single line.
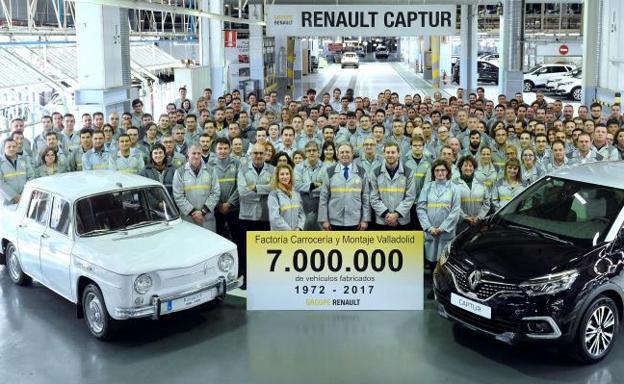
[[159, 169], [285, 206]]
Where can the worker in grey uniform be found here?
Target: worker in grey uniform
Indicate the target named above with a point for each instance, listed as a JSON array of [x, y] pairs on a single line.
[[196, 190], [125, 160], [475, 196], [254, 184], [226, 170], [308, 183], [97, 158], [393, 191], [344, 203], [86, 143], [439, 207], [14, 173], [420, 164], [369, 158], [285, 205]]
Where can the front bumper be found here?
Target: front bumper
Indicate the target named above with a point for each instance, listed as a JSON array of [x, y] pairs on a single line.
[[212, 290], [514, 316]]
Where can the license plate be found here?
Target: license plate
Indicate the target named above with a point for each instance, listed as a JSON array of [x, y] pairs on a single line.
[[471, 306], [186, 302]]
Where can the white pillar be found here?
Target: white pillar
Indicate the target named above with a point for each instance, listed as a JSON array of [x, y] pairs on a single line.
[[299, 46], [204, 35], [591, 64], [510, 76], [103, 59], [256, 42], [469, 45], [217, 50]]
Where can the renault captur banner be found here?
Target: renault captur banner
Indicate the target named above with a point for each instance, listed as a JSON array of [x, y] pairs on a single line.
[[374, 20], [331, 271]]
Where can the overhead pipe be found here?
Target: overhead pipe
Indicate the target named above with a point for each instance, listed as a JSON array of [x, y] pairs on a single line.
[[136, 4]]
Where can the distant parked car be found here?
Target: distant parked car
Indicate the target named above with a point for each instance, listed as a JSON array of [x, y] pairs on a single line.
[[113, 244], [538, 76], [486, 72], [571, 86], [361, 51], [382, 52], [314, 63], [350, 59]]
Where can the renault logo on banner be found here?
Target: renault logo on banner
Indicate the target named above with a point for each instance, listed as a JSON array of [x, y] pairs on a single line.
[[283, 20], [474, 279], [372, 20]]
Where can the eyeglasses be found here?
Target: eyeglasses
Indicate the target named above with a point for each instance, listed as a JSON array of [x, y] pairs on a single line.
[[528, 155], [440, 170], [257, 153]]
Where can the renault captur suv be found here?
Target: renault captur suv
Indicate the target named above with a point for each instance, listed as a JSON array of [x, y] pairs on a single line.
[[545, 267]]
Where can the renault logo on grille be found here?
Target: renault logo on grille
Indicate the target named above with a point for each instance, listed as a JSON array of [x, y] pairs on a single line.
[[474, 279]]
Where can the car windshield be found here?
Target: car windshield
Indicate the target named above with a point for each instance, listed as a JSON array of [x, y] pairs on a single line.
[[534, 69], [568, 210], [123, 210]]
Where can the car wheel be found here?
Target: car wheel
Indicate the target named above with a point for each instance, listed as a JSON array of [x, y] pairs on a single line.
[[577, 93], [14, 267], [528, 86], [342, 66], [99, 322], [597, 331]]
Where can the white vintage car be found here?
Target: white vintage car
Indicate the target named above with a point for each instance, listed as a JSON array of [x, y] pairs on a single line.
[[114, 245]]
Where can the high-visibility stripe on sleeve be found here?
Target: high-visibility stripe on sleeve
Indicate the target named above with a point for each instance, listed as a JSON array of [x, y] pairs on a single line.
[[14, 174], [227, 179]]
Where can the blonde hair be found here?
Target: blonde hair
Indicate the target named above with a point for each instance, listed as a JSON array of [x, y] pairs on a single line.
[[275, 184]]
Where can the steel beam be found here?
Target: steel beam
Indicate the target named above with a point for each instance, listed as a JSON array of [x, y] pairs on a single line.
[[136, 4]]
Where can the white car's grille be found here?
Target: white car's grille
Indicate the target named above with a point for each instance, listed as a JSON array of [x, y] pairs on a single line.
[[183, 277]]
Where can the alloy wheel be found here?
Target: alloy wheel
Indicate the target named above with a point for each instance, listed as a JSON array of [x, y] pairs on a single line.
[[599, 331]]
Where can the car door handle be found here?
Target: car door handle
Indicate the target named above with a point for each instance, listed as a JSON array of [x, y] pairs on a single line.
[[45, 236], [22, 225]]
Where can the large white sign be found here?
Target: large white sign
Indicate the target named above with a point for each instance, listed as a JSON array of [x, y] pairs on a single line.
[[374, 20], [333, 271]]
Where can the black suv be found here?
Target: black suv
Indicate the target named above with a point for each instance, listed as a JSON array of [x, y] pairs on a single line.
[[545, 267]]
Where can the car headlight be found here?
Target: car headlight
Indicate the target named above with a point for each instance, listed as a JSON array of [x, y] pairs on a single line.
[[226, 262], [445, 255], [143, 283], [550, 284]]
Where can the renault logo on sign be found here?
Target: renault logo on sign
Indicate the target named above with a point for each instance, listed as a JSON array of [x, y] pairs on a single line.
[[474, 279]]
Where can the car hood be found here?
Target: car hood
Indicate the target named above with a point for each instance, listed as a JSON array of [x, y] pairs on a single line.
[[153, 248], [515, 254]]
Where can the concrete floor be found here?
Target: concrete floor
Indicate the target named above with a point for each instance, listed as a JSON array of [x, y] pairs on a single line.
[[43, 342]]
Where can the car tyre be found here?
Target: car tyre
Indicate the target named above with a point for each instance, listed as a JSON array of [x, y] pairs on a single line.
[[528, 86], [576, 93], [597, 331], [342, 66], [98, 321], [14, 266]]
